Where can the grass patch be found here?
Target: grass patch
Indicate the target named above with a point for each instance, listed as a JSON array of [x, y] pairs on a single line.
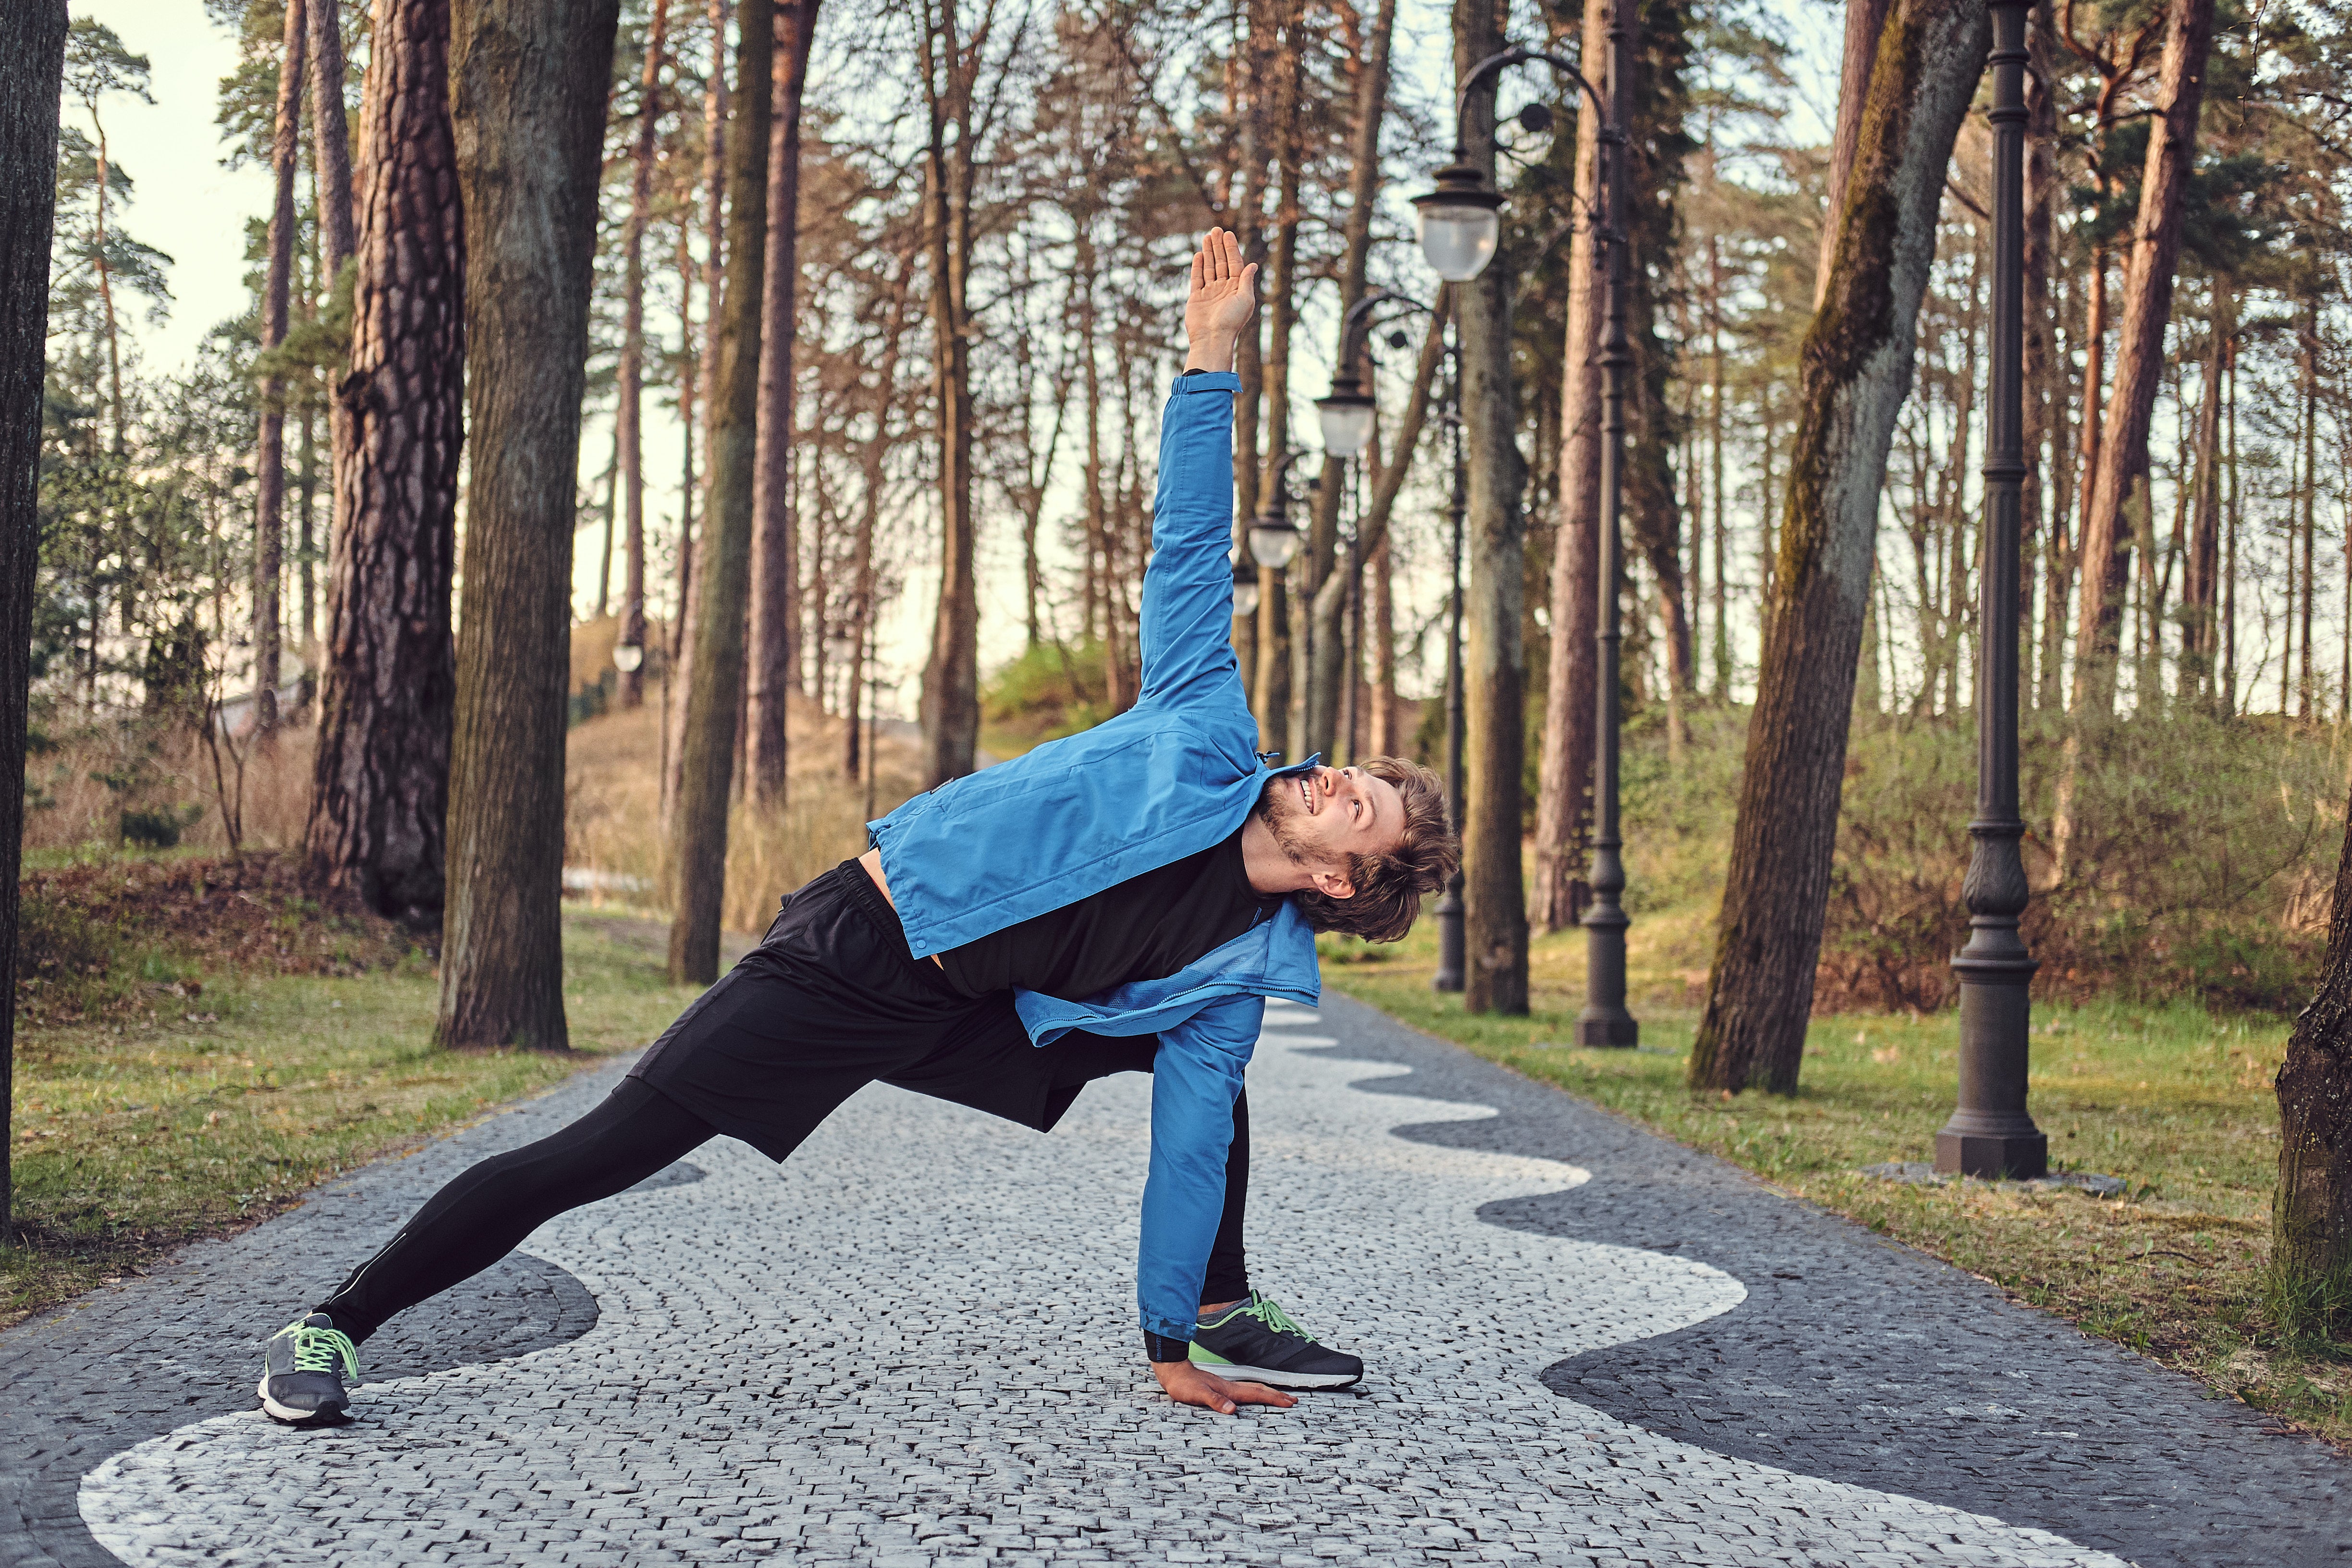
[[196, 1115], [2173, 1100]]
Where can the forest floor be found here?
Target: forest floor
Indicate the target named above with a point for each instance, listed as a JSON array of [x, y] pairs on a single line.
[[2172, 1100], [227, 1046]]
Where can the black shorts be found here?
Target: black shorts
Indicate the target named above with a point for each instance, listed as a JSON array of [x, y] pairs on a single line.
[[831, 1000]]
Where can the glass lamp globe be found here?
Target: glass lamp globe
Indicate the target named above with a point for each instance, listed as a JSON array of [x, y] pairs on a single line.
[[628, 657], [1272, 541], [1347, 419], [1245, 590], [1460, 223]]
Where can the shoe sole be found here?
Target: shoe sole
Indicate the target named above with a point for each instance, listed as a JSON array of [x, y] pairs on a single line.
[[291, 1416], [1273, 1379]]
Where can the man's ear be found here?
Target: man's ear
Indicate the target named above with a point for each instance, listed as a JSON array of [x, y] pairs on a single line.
[[1334, 883]]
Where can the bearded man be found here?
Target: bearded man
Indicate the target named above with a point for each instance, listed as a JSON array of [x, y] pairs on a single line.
[[1125, 898]]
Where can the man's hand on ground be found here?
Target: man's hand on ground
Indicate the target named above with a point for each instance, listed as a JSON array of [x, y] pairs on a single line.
[[1224, 293], [1187, 1385]]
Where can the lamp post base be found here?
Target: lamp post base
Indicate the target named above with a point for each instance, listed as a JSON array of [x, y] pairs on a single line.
[[1451, 962], [2020, 1156], [1602, 1027], [1604, 1022]]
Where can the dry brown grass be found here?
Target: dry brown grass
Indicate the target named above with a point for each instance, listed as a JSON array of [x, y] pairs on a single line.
[[87, 771], [612, 814]]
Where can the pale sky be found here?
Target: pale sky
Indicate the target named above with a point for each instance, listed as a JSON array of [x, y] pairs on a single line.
[[186, 204]]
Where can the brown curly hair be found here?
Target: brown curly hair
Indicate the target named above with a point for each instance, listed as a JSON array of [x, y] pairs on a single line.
[[1390, 888]]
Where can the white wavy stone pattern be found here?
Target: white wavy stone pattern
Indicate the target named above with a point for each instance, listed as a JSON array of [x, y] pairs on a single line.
[[914, 1344]]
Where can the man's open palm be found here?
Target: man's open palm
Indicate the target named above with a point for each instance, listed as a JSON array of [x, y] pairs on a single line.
[[1224, 291]]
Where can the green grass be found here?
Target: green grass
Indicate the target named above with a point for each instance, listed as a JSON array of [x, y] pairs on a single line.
[[196, 1115], [2173, 1100]]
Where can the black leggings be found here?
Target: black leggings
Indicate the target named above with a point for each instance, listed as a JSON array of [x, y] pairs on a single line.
[[486, 1212]]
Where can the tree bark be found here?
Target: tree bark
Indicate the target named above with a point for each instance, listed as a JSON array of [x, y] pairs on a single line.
[[2040, 332], [33, 42], [775, 662], [1326, 663], [269, 456], [1865, 23], [1564, 774], [628, 417], [951, 700], [714, 249], [2200, 599], [1494, 660], [2121, 462], [1854, 370], [2312, 1214], [528, 89], [380, 784], [331, 177], [1381, 737], [722, 564]]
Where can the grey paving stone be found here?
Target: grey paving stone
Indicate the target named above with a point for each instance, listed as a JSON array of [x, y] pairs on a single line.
[[913, 1343]]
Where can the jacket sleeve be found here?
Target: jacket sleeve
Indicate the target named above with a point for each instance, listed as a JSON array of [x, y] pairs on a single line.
[[1194, 1078], [1188, 590]]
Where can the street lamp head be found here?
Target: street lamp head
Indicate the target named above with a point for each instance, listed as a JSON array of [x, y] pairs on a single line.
[[1244, 590], [1273, 541], [628, 657], [1460, 223], [1346, 417]]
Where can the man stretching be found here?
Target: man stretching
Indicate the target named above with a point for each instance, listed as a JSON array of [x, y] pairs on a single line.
[[1123, 898]]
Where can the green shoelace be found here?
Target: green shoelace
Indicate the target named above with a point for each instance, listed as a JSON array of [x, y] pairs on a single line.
[[1268, 1311], [318, 1350]]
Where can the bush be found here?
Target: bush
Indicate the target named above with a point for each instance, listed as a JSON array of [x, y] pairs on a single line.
[[2202, 865], [158, 827], [1049, 691]]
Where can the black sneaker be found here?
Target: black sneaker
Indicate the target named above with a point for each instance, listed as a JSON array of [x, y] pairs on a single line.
[[302, 1371], [1258, 1342]]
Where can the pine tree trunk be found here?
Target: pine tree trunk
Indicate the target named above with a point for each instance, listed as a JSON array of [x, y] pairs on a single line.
[[950, 701], [33, 42], [1564, 772], [2202, 569], [2040, 343], [1855, 369], [722, 566], [1381, 736], [528, 89], [706, 374], [1326, 662], [1866, 25], [2058, 555], [380, 784], [1494, 660], [2120, 463], [2310, 501], [331, 161], [774, 661], [269, 456], [2312, 1212], [628, 415]]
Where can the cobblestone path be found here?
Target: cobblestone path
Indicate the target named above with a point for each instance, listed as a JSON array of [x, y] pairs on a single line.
[[913, 1343]]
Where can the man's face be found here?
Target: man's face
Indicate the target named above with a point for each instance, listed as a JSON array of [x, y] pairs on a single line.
[[1323, 816]]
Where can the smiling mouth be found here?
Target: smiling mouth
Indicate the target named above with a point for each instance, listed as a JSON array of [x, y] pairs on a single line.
[[1306, 796]]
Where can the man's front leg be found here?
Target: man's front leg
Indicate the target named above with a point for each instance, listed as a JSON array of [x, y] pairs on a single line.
[[1243, 1333]]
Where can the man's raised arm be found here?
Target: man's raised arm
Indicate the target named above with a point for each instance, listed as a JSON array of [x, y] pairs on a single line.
[[1187, 630]]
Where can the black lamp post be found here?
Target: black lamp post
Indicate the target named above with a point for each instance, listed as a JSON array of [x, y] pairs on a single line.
[[1989, 1133], [1452, 960], [1460, 229]]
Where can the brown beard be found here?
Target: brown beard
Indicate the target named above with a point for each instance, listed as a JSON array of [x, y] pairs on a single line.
[[1279, 808]]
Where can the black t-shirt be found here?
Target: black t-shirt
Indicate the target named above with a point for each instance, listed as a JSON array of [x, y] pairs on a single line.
[[1146, 928]]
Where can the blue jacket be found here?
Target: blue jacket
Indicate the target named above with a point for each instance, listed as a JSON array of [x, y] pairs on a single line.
[[1172, 776]]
